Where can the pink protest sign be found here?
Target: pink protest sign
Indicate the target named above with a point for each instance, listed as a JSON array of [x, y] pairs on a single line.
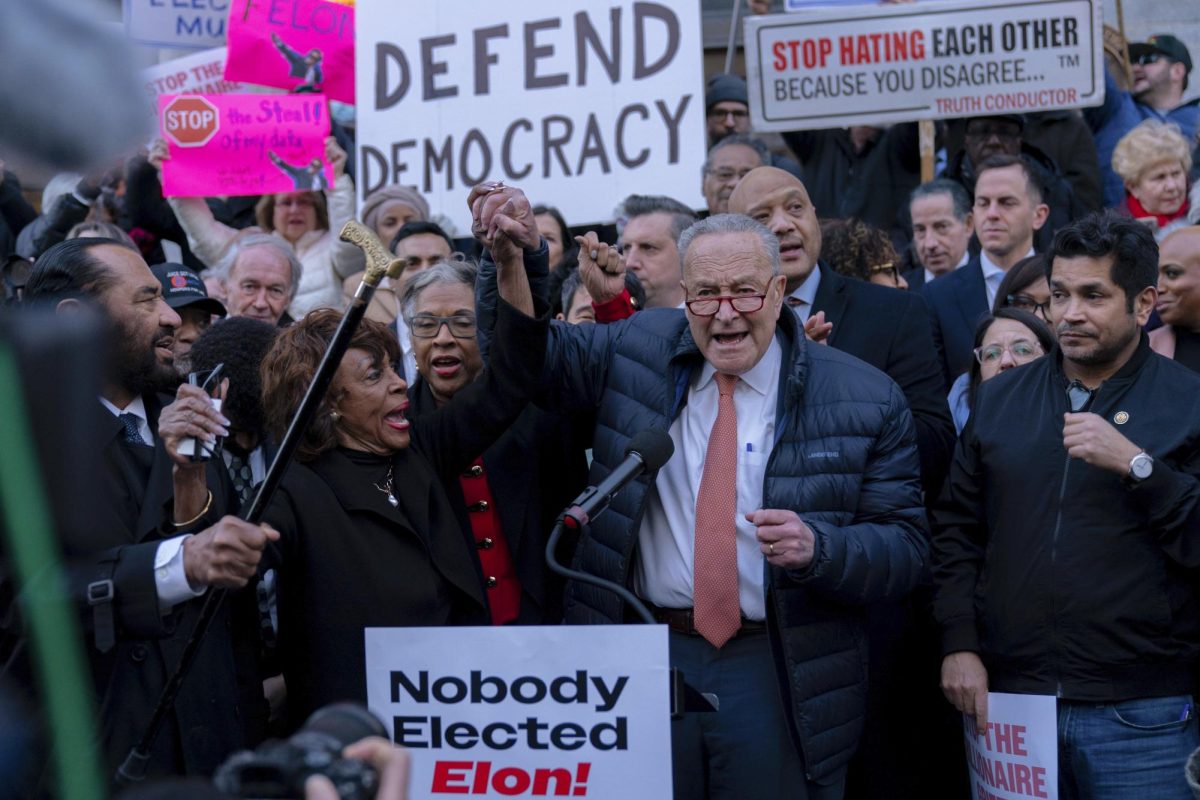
[[244, 144], [303, 45]]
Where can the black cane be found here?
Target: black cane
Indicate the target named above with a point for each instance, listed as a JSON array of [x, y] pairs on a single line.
[[379, 263]]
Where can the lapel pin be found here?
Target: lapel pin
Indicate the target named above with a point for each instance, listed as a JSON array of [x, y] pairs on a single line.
[[1121, 417]]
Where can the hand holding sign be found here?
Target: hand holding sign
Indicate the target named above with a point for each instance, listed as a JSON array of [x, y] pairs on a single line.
[[601, 268], [965, 684]]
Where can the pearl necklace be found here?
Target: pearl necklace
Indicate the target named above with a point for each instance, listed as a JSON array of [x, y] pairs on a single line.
[[388, 488]]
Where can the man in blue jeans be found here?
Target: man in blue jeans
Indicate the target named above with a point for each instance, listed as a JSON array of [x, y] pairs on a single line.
[[1067, 537]]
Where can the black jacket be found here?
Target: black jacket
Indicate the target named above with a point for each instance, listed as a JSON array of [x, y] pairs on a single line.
[[873, 186], [534, 471], [1065, 578], [348, 560], [891, 331]]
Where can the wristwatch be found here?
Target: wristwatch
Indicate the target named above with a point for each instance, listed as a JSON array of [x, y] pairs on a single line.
[[1140, 467]]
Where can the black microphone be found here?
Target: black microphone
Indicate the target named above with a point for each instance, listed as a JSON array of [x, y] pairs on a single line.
[[646, 452]]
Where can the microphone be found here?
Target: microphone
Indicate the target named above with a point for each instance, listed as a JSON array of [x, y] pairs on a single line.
[[646, 452]]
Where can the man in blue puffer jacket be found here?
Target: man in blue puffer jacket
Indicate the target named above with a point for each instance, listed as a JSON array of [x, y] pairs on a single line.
[[794, 463]]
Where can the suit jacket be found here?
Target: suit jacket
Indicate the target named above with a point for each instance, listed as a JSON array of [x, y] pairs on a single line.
[[915, 278], [220, 707], [534, 471], [956, 302], [890, 330]]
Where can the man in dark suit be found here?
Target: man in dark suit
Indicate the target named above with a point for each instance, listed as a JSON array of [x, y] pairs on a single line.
[[1008, 211], [137, 573], [886, 328], [942, 227]]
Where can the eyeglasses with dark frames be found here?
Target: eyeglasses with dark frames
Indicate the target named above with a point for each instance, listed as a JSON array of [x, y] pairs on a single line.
[[1026, 303], [427, 326]]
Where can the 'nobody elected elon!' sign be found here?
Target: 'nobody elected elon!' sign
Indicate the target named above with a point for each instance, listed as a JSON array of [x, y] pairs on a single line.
[[577, 102], [550, 711], [825, 68]]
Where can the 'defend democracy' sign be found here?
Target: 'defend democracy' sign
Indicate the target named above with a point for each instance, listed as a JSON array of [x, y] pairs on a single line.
[[527, 711], [863, 66], [578, 102]]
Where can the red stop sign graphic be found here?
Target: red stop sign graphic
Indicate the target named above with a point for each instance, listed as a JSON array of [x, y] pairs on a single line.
[[190, 121]]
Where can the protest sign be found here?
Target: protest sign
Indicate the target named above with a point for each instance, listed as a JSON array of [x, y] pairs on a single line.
[[578, 105], [497, 712], [825, 68], [305, 45], [198, 73], [236, 144], [176, 23], [795, 5], [1018, 755]]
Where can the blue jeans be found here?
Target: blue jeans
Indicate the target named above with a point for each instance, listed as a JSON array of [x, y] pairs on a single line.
[[744, 751], [1133, 749]]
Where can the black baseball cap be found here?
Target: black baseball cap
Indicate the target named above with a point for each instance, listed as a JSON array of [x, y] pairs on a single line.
[[183, 288], [1167, 45]]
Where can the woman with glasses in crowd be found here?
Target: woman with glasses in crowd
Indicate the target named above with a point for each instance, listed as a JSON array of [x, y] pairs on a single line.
[[1025, 289], [857, 250], [508, 497], [1006, 339]]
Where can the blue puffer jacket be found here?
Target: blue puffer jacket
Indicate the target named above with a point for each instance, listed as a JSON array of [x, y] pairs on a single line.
[[845, 459]]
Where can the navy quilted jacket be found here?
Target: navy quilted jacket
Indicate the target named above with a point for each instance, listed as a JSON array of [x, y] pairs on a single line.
[[845, 459]]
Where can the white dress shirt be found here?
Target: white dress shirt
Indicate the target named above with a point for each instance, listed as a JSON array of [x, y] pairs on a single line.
[[666, 539], [170, 580], [806, 293], [992, 275]]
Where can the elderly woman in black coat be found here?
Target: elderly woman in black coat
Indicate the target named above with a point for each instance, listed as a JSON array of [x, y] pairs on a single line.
[[368, 536]]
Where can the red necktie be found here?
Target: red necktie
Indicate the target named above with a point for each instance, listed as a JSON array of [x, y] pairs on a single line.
[[717, 609]]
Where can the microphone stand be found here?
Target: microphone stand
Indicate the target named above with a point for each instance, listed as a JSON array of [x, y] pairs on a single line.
[[379, 263], [684, 696]]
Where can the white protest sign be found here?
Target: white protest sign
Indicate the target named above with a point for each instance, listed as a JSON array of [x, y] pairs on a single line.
[[198, 73], [527, 711], [795, 5], [1018, 755], [835, 67], [177, 23], [578, 104]]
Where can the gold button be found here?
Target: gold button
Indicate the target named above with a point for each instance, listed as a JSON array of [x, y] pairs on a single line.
[[482, 505], [485, 543], [491, 582], [475, 471]]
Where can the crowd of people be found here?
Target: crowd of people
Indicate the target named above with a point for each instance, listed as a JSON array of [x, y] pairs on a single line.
[[931, 439]]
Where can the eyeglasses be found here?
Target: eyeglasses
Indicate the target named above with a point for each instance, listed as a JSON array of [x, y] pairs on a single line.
[[725, 175], [427, 326], [1148, 58], [742, 303], [1027, 303], [738, 114], [1022, 351], [889, 269]]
